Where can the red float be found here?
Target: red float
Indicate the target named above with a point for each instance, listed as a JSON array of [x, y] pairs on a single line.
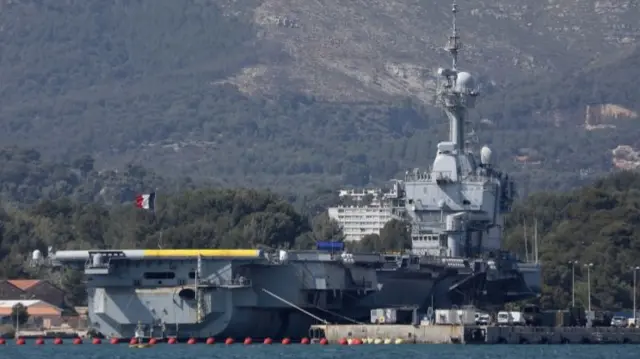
[[172, 341], [20, 341], [247, 341], [57, 341], [153, 341], [286, 341], [343, 341], [77, 341], [114, 341], [3, 341], [39, 341], [192, 341], [268, 341], [324, 341], [229, 341], [210, 341], [304, 341], [133, 341], [96, 341]]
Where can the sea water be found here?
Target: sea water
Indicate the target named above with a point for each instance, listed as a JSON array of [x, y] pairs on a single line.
[[259, 351]]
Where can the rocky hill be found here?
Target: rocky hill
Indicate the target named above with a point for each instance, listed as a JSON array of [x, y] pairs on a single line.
[[296, 94], [373, 49]]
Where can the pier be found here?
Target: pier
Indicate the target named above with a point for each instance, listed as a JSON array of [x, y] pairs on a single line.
[[474, 334]]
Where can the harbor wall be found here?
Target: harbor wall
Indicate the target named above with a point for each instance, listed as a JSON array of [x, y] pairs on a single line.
[[434, 334], [562, 335], [453, 334]]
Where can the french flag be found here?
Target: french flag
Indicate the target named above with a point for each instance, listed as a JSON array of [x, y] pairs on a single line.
[[146, 201]]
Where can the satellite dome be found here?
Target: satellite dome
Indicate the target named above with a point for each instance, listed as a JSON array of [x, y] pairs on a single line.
[[36, 255], [485, 155], [465, 83]]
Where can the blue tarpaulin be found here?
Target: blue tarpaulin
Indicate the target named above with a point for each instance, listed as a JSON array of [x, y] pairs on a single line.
[[330, 246]]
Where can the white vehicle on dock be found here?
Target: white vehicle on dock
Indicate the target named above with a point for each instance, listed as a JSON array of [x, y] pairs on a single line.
[[482, 318], [510, 318]]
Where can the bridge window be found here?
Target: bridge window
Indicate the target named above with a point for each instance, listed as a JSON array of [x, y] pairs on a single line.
[[159, 275], [192, 275]]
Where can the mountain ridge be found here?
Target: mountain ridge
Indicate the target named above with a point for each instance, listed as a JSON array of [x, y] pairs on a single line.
[[284, 93]]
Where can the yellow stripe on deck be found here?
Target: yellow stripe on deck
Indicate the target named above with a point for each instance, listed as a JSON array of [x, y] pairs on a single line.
[[245, 253]]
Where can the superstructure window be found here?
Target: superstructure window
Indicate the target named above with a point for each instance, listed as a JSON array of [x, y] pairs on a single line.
[[159, 275]]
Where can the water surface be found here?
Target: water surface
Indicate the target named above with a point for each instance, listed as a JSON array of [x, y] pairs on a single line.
[[257, 351]]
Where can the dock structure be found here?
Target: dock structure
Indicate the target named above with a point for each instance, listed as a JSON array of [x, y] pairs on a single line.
[[474, 334]]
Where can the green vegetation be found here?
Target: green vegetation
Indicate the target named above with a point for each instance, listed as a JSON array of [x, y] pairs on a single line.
[[19, 315], [129, 82], [597, 224]]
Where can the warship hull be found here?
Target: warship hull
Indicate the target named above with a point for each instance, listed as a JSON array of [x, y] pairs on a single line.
[[250, 293]]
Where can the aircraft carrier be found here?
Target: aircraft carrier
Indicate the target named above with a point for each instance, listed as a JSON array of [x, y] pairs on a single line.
[[455, 209]]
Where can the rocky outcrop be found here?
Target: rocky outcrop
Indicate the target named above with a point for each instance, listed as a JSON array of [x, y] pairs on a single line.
[[371, 50], [604, 116], [626, 157]]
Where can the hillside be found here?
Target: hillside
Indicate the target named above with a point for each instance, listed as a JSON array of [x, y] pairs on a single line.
[[598, 224], [296, 95], [27, 179]]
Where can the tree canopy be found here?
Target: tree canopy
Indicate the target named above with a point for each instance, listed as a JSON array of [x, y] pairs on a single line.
[[597, 224], [19, 315]]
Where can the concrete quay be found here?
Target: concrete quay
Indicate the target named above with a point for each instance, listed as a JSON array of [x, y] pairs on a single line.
[[390, 333], [473, 334]]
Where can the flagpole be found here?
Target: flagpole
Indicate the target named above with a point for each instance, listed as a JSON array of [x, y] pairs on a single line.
[[155, 217], [148, 202]]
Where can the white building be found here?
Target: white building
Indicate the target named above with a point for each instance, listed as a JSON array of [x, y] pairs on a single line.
[[359, 220]]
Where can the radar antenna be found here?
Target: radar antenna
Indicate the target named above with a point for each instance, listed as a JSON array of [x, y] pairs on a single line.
[[454, 44], [458, 94]]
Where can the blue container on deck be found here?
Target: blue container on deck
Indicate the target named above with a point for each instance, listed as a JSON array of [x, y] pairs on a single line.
[[330, 246]]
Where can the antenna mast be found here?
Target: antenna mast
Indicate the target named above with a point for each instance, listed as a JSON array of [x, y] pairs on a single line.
[[458, 94], [454, 44]]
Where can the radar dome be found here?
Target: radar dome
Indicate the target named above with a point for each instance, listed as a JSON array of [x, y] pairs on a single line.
[[36, 255], [485, 155], [465, 83]]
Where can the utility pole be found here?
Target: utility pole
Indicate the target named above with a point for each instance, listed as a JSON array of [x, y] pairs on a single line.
[[17, 334], [635, 273], [573, 282], [589, 266]]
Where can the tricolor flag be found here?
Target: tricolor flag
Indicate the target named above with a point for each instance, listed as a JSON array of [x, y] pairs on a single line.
[[146, 201]]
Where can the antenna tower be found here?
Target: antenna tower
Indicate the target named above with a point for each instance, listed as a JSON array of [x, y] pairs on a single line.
[[458, 93], [454, 46]]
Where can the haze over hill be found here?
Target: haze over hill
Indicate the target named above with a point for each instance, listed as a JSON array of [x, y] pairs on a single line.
[[291, 94]]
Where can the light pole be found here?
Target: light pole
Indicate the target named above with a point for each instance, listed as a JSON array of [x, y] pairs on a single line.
[[573, 282], [589, 266], [635, 272]]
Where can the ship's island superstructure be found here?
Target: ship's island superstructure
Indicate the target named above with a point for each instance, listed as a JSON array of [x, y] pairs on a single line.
[[455, 209]]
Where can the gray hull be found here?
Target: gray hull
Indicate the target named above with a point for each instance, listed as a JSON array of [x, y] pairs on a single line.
[[270, 296]]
